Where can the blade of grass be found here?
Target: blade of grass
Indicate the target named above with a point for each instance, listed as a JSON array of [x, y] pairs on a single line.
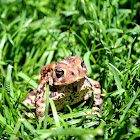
[[73, 115], [29, 126], [81, 40], [2, 63], [55, 115], [135, 136], [9, 84], [110, 30], [4, 124], [129, 105], [2, 44], [16, 129], [26, 78], [87, 61], [109, 13], [51, 53], [129, 53], [70, 131], [116, 93], [102, 28], [116, 76]]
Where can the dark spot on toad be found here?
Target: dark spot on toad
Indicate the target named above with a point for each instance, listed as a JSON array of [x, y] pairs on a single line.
[[88, 81], [63, 95], [54, 80], [32, 101], [42, 101], [75, 89], [33, 93], [96, 86], [79, 71], [52, 95], [41, 114], [63, 80], [58, 63], [53, 89], [43, 86], [69, 58], [99, 106], [82, 64]]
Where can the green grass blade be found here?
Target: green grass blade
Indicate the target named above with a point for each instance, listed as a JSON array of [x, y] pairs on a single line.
[[29, 126], [135, 136], [105, 33], [26, 78], [116, 76], [4, 124], [129, 105], [3, 40], [55, 115], [102, 28], [110, 30], [82, 41], [116, 93], [87, 61], [71, 131], [73, 115], [16, 129], [51, 53], [129, 53], [109, 13]]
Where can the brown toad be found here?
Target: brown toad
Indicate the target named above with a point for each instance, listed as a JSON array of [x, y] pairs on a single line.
[[68, 84]]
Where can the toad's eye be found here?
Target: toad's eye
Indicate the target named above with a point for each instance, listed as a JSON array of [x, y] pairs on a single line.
[[82, 64], [59, 73]]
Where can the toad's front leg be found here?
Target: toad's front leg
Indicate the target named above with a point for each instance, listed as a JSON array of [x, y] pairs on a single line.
[[96, 89], [40, 105], [30, 101]]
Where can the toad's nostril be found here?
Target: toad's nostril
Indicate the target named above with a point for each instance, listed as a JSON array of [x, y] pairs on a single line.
[[72, 73]]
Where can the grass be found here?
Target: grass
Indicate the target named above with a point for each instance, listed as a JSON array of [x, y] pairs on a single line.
[[107, 36]]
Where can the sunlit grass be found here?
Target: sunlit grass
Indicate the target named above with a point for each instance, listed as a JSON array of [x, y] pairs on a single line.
[[107, 36]]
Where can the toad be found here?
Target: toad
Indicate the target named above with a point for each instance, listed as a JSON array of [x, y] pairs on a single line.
[[68, 84]]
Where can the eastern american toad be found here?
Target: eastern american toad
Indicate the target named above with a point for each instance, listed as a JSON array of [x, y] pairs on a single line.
[[68, 84]]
